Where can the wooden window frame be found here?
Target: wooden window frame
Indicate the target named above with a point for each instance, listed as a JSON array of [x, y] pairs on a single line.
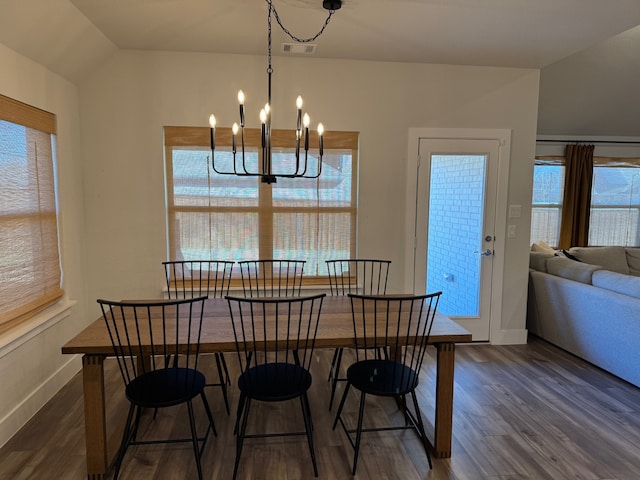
[[199, 137]]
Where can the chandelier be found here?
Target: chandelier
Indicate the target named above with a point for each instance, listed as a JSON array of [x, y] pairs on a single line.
[[266, 172]]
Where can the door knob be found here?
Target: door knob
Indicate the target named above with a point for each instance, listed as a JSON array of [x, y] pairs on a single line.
[[485, 253]]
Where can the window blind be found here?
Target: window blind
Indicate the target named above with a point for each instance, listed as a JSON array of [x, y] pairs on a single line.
[[226, 217], [30, 273]]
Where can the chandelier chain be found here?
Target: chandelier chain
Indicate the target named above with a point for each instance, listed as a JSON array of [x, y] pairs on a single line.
[[291, 35]]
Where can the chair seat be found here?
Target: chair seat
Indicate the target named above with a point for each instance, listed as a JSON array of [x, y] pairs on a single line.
[[382, 377], [275, 382], [165, 387]]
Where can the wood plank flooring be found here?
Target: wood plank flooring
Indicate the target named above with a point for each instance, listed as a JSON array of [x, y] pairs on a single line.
[[521, 412]]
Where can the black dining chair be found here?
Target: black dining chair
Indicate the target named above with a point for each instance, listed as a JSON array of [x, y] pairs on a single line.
[[143, 334], [272, 278], [401, 324], [274, 339], [363, 276], [195, 278]]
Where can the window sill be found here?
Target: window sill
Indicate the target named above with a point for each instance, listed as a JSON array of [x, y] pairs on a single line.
[[29, 329]]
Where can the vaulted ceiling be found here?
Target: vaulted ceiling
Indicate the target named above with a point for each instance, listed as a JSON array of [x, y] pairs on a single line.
[[71, 37]]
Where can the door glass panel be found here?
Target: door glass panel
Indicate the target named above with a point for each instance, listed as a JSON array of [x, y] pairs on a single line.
[[454, 241]]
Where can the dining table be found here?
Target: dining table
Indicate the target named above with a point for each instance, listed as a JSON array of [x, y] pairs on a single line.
[[335, 329]]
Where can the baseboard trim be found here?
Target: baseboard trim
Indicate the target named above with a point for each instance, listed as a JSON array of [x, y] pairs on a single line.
[[510, 337], [22, 413]]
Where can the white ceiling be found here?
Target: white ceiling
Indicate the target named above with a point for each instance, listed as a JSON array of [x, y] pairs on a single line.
[[520, 33], [72, 36], [589, 67]]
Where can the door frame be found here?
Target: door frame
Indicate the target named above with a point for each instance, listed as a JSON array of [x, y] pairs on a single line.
[[503, 137]]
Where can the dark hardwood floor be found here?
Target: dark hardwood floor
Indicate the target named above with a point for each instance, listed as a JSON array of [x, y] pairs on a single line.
[[521, 412]]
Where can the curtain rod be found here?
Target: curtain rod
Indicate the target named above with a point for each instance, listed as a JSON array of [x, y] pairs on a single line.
[[627, 142]]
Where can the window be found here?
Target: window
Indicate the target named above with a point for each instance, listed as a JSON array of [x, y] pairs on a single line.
[[615, 206], [548, 187], [227, 217], [30, 273], [615, 201]]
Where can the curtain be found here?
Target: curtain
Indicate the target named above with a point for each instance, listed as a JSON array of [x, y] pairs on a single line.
[[576, 205]]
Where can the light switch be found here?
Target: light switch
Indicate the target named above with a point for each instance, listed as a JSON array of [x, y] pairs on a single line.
[[515, 211], [511, 231]]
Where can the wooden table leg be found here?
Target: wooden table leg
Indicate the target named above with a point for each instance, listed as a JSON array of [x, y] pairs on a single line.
[[95, 425], [444, 400]]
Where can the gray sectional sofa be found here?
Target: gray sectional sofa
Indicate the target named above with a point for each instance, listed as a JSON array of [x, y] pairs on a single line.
[[589, 305]]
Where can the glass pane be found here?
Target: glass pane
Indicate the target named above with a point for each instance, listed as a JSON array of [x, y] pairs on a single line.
[[216, 236], [456, 217], [548, 184], [314, 237], [615, 206], [548, 189], [331, 189], [196, 184], [614, 226], [30, 268], [545, 225]]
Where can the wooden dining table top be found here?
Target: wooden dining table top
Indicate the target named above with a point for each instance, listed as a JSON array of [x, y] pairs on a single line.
[[335, 329]]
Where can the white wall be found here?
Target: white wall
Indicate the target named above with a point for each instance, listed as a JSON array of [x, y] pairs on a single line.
[[126, 102], [593, 92], [32, 368], [111, 171]]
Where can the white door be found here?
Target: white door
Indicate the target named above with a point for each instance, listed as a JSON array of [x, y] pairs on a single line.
[[456, 192]]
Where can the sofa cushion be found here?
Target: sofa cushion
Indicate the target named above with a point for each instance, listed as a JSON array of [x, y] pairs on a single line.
[[538, 260], [633, 260], [611, 258], [542, 247], [617, 282], [571, 270]]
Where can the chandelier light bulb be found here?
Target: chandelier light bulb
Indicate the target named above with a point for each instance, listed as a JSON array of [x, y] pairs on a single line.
[[234, 130], [241, 97], [320, 129], [212, 121], [299, 105], [306, 120], [263, 127]]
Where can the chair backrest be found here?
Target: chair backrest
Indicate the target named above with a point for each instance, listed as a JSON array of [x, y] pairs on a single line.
[[145, 334], [196, 278], [359, 276], [272, 278], [289, 326], [401, 324]]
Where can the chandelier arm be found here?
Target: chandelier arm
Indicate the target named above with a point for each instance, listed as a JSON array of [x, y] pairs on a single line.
[[244, 165]]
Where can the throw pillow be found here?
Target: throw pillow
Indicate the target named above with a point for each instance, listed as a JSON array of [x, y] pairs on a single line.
[[538, 260], [541, 246]]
